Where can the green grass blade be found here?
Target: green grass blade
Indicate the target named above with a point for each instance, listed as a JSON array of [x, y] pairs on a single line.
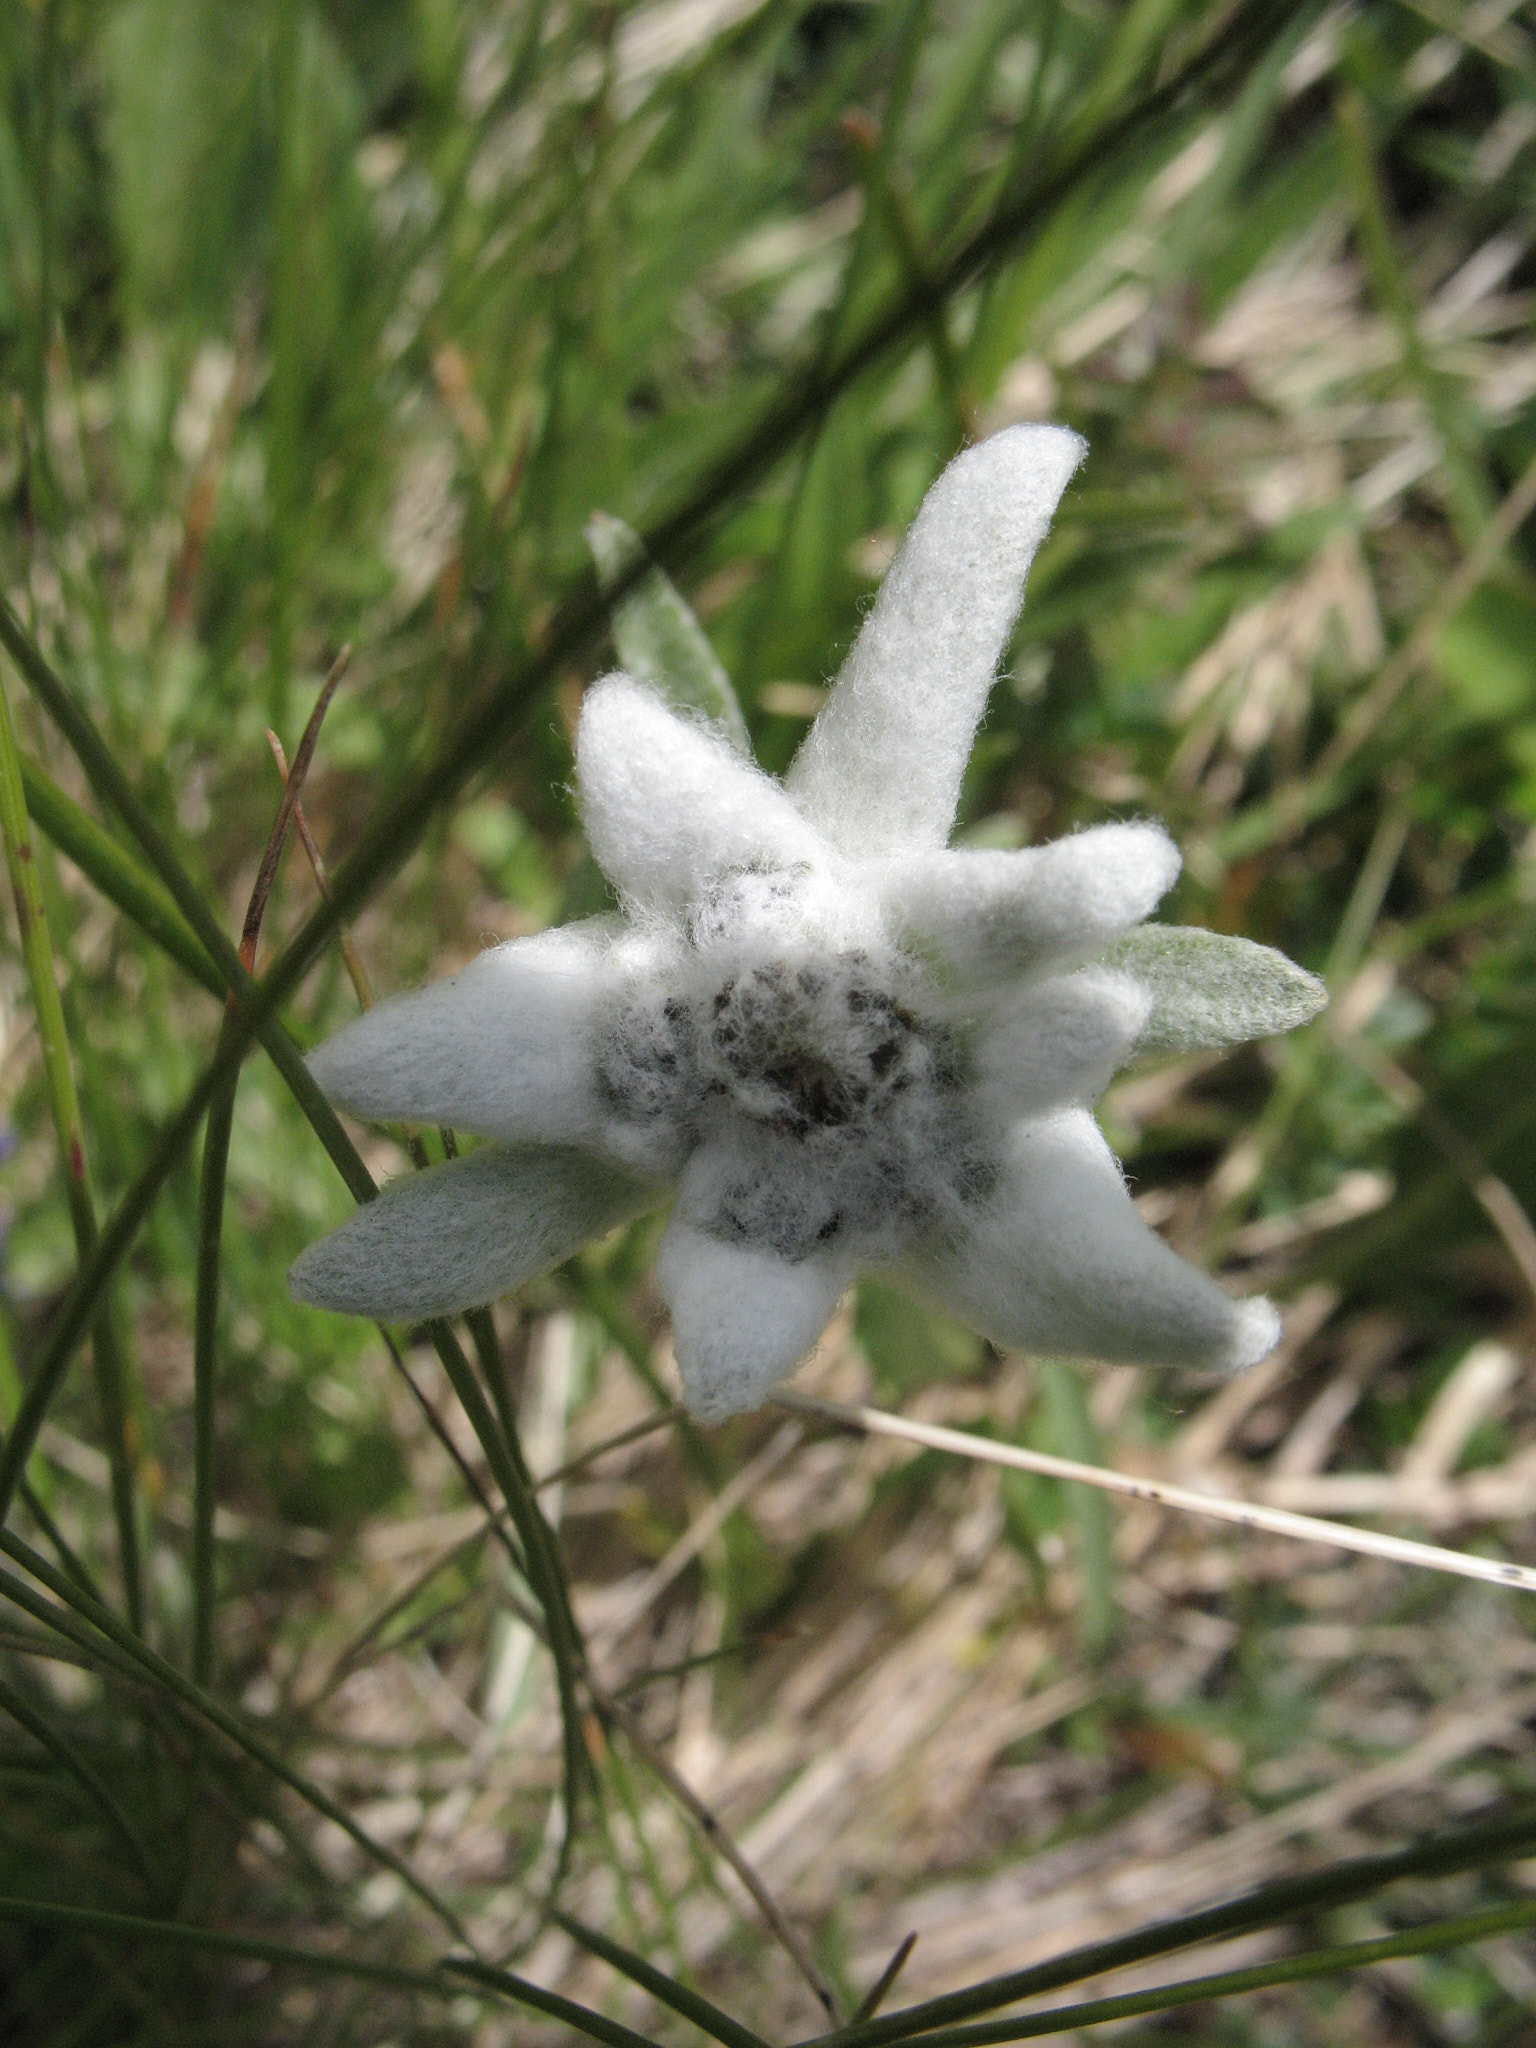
[[887, 202], [541, 1561], [1324, 1962], [62, 1548], [42, 1730], [1074, 1436], [74, 1314], [1336, 1884], [205, 1345], [592, 2024], [210, 1233], [286, 287], [116, 874], [11, 1395], [535, 1554], [80, 1304], [370, 1632], [113, 787], [41, 335], [218, 966], [1471, 502], [216, 1941], [709, 2018], [64, 1100], [133, 1656]]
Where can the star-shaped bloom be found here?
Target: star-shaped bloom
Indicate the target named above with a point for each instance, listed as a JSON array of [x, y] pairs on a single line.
[[847, 1047]]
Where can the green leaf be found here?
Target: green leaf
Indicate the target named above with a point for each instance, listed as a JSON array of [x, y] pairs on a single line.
[[1064, 1398], [659, 641], [909, 1344], [1210, 990], [1487, 654], [182, 132]]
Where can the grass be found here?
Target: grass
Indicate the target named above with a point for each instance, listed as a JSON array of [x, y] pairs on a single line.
[[326, 325]]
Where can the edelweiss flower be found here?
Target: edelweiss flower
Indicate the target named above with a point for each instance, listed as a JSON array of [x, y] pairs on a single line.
[[849, 1048]]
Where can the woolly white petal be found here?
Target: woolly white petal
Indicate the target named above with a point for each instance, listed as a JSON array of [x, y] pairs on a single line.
[[1210, 990], [458, 1235], [501, 1049], [880, 769], [742, 1317], [670, 806], [990, 915], [1058, 1260], [1060, 1041]]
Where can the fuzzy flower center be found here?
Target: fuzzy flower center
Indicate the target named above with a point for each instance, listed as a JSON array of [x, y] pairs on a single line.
[[816, 1047], [832, 1100]]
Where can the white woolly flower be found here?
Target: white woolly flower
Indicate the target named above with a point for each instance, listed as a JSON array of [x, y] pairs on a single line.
[[847, 1047]]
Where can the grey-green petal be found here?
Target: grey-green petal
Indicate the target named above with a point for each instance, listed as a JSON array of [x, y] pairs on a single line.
[[657, 637], [463, 1233], [1209, 990]]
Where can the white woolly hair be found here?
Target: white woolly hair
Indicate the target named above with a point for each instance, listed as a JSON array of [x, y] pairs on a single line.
[[741, 1317], [498, 1050], [880, 770], [813, 1070], [1059, 1259], [670, 806], [851, 1047], [991, 916]]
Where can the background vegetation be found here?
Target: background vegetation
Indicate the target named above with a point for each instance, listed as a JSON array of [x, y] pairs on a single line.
[[328, 323]]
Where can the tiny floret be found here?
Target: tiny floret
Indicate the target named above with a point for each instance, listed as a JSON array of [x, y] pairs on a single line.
[[840, 1045]]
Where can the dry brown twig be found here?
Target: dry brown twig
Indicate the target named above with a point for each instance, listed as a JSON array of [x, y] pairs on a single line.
[[293, 782], [349, 953], [647, 1426], [1246, 1514]]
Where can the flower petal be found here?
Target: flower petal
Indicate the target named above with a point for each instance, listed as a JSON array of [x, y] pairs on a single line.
[[502, 1049], [1058, 1260], [742, 1317], [461, 1234], [880, 769], [1211, 990], [670, 806], [1060, 1041], [988, 916]]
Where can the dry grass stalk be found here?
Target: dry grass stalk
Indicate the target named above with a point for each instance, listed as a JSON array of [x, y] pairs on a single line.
[[1246, 1514]]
